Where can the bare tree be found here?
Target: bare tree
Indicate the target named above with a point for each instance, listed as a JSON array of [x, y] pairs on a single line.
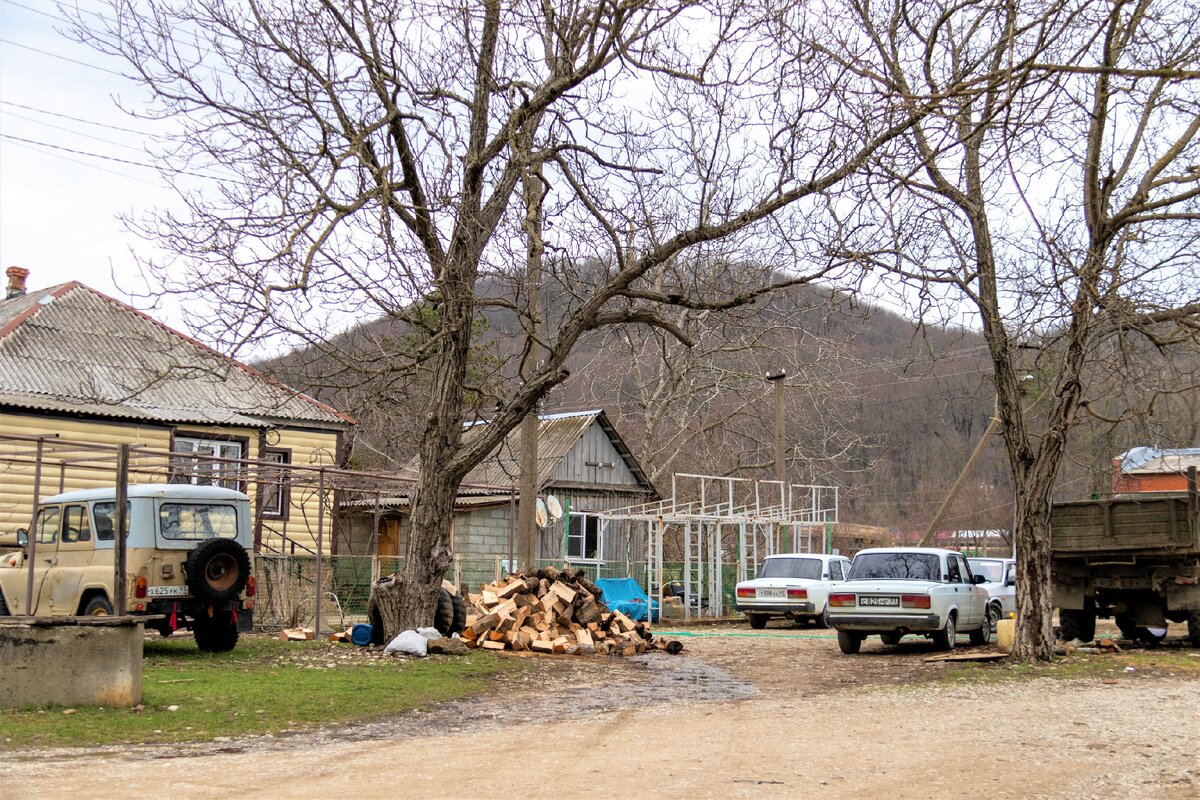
[[375, 153], [1059, 207]]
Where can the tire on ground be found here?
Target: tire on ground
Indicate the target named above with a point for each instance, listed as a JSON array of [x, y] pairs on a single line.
[[757, 621], [1193, 623], [460, 614], [217, 570], [215, 635], [849, 642], [443, 617]]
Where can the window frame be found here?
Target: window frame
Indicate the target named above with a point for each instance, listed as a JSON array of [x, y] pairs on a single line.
[[190, 470], [84, 535], [266, 489], [587, 518]]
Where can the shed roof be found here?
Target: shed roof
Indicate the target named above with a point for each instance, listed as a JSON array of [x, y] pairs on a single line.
[[1152, 461], [72, 349], [557, 434]]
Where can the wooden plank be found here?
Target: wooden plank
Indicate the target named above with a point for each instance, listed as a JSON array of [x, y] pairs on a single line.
[[493, 645], [989, 656]]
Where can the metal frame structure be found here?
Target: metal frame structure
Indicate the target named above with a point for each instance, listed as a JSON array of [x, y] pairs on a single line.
[[702, 508]]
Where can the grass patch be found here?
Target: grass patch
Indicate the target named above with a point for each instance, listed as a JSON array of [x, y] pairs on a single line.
[[263, 686], [1181, 663]]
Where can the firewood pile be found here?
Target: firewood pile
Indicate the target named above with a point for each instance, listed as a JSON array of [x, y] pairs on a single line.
[[553, 611]]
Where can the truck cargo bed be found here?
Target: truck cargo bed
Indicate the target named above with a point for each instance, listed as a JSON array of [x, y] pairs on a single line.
[[1147, 524]]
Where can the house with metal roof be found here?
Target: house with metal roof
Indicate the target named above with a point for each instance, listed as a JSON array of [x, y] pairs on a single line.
[[1149, 469], [584, 468], [81, 373]]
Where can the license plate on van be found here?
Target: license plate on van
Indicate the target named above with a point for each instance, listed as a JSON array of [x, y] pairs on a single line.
[[166, 591]]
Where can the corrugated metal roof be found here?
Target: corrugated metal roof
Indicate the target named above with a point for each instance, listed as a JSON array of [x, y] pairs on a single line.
[[70, 348], [557, 434], [1151, 460]]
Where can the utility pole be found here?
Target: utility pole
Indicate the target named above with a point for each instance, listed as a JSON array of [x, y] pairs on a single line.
[[534, 191], [776, 379]]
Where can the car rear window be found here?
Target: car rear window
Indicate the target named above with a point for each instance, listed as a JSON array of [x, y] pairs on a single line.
[[809, 568], [197, 521], [896, 566]]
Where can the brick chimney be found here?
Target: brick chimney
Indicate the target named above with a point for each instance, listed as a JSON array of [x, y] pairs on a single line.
[[16, 282]]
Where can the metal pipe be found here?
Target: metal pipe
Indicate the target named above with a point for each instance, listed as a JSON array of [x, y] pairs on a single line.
[[320, 547], [32, 534], [119, 588]]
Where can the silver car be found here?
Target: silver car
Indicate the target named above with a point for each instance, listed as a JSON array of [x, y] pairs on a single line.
[[1001, 583]]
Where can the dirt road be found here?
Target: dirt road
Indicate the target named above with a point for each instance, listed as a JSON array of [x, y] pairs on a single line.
[[795, 719]]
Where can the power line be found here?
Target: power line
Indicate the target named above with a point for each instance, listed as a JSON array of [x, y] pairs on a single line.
[[111, 158], [72, 118], [75, 132], [64, 58], [36, 149]]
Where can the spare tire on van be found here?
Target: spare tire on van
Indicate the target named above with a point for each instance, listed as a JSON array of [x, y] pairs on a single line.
[[217, 570]]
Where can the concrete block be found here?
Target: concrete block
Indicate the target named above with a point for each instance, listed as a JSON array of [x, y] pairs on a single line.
[[70, 664]]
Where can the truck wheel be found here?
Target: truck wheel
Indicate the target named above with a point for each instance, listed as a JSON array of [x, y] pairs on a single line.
[[1076, 623], [1126, 626], [849, 642], [757, 621], [1193, 623], [947, 637], [215, 636], [217, 570], [98, 606]]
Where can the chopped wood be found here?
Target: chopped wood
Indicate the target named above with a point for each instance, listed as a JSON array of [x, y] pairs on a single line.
[[490, 598], [512, 588], [565, 592], [297, 634], [486, 622], [542, 645], [493, 645]]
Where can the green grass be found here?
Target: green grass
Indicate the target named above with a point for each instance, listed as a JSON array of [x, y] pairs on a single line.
[[263, 686], [1181, 663]]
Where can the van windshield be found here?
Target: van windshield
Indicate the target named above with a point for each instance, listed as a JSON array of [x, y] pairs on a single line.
[[190, 521]]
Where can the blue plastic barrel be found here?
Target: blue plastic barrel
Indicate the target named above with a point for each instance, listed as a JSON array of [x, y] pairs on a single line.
[[362, 634]]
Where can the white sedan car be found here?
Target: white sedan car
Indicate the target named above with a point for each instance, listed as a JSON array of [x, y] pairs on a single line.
[[900, 590], [792, 585], [1000, 581]]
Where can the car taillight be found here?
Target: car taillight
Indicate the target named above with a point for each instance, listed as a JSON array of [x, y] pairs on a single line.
[[914, 600], [250, 587], [841, 600], [139, 588], [745, 591], [797, 594]]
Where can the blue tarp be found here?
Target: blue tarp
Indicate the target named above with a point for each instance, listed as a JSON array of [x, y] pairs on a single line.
[[624, 595]]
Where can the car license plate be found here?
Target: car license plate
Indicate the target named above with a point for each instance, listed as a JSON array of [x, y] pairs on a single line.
[[166, 591], [771, 594], [878, 601]]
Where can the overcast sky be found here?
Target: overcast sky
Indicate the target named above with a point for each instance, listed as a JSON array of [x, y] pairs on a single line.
[[70, 159]]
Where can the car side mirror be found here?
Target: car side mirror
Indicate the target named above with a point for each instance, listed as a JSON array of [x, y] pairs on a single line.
[[18, 538], [978, 579]]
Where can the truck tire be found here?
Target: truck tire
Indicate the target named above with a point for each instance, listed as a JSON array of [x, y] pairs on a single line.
[[215, 635], [1193, 623], [1076, 623], [217, 570]]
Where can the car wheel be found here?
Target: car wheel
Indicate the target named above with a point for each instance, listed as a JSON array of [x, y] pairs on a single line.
[[997, 615], [822, 619], [98, 606], [215, 635], [891, 639], [983, 635], [757, 621], [946, 638], [849, 642]]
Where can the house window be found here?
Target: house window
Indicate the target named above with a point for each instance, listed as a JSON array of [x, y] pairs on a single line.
[[202, 472], [584, 541], [273, 483]]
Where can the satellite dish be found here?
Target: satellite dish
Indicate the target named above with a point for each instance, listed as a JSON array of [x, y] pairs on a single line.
[[554, 507], [539, 516]]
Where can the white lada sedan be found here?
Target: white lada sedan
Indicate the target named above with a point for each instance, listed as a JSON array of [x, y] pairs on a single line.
[[792, 585], [901, 590]]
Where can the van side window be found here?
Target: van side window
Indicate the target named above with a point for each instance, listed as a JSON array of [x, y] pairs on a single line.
[[47, 525], [105, 516], [76, 527]]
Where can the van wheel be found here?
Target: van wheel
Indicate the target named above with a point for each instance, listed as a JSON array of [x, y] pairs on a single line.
[[215, 636], [98, 606]]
